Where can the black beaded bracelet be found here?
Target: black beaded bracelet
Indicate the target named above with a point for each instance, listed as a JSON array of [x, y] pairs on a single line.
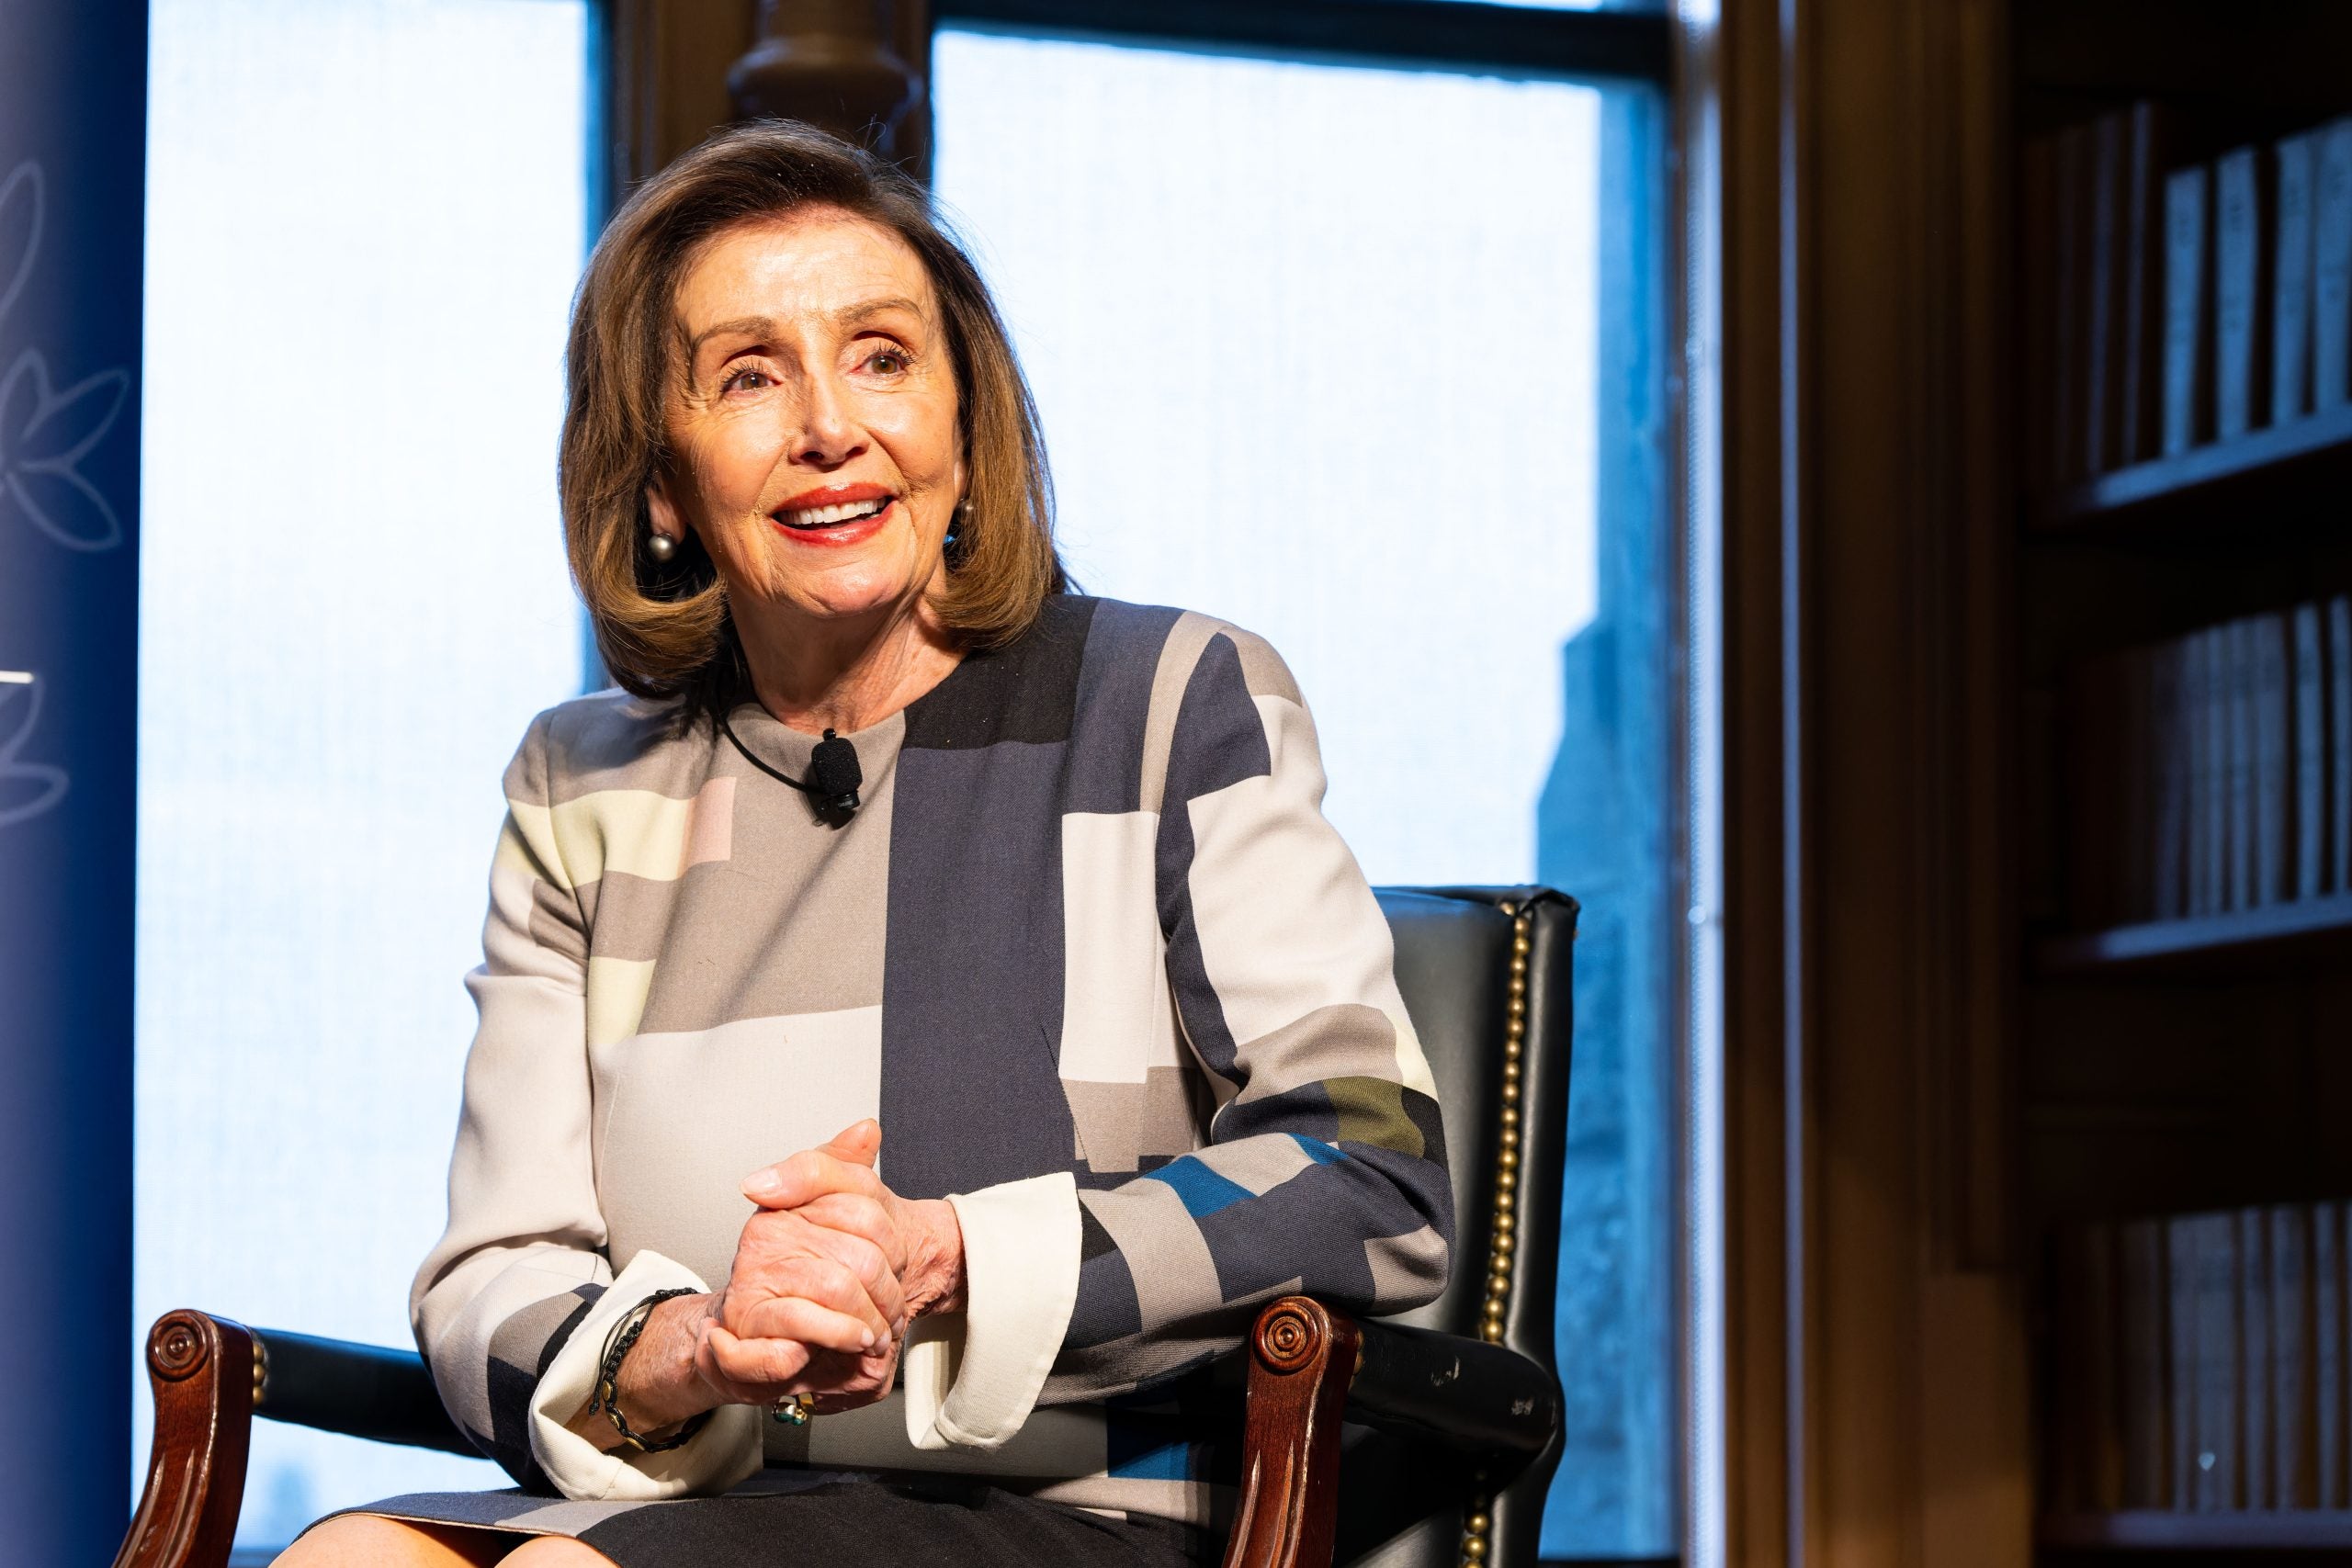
[[622, 1335]]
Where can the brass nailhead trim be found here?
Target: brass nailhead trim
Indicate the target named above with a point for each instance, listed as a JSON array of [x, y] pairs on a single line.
[[261, 1372], [1478, 1523]]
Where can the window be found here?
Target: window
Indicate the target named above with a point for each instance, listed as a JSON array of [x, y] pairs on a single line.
[[1364, 354], [365, 225], [1366, 357]]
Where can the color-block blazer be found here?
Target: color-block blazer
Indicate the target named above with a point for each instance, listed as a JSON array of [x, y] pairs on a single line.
[[1090, 953]]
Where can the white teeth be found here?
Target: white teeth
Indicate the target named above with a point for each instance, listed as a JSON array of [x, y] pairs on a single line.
[[826, 517]]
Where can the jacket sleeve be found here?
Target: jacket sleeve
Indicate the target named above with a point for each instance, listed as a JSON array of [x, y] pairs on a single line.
[[1325, 1167], [511, 1308]]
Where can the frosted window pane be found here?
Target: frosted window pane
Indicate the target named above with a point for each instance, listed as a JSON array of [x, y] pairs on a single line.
[[1313, 357], [364, 223], [1323, 350]]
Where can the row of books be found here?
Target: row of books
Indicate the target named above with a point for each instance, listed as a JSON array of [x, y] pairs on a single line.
[[2199, 1362], [2213, 772], [2178, 302]]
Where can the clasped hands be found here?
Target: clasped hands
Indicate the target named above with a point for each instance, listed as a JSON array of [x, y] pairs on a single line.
[[827, 1275]]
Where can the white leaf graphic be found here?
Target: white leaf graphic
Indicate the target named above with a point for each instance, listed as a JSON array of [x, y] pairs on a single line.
[[27, 789], [49, 484], [21, 206]]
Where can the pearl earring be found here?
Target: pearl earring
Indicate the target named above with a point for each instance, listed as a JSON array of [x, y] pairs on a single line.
[[663, 547]]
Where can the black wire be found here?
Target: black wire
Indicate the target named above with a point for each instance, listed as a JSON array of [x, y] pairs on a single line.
[[780, 777]]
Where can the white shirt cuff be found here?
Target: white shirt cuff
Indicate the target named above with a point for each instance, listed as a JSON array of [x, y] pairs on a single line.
[[972, 1377], [724, 1453]]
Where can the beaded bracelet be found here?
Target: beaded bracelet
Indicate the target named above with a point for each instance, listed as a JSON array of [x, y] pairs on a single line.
[[617, 1341]]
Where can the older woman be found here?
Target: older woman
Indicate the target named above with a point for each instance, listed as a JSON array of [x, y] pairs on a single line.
[[1013, 910]]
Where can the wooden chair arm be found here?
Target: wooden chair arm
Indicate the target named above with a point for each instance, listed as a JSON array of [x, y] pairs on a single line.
[[203, 1370], [1312, 1365], [1302, 1355], [211, 1376], [208, 1375]]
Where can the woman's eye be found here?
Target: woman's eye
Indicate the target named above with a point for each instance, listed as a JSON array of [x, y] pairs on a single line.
[[889, 361], [749, 380]]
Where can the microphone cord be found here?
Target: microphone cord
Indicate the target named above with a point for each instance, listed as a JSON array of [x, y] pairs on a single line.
[[835, 776], [776, 773]]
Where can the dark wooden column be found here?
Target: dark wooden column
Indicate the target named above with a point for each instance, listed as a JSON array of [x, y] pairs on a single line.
[[665, 69], [1874, 1318], [681, 69], [852, 67], [678, 70]]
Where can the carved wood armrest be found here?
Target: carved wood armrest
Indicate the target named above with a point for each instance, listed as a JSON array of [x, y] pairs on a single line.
[[204, 1372], [211, 1376], [1302, 1355], [1311, 1365], [208, 1374]]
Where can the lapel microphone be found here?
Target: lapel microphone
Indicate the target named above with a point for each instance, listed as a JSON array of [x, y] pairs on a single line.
[[834, 775]]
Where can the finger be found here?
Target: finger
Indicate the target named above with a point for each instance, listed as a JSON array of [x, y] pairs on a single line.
[[827, 1281], [809, 1175], [777, 1241], [844, 1382], [786, 1231], [832, 1370], [854, 1214], [791, 1314], [749, 1372], [878, 1366], [869, 1268], [850, 1397], [764, 1369], [859, 1142], [819, 1325]]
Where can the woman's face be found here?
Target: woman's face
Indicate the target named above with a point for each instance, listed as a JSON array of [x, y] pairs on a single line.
[[814, 427]]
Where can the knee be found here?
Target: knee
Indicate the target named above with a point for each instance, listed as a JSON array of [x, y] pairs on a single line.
[[363, 1541], [354, 1539], [555, 1551]]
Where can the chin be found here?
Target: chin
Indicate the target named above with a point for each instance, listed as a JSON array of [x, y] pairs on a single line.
[[852, 589]]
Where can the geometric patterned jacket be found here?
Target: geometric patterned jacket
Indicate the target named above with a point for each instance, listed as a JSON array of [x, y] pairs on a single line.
[[1090, 953]]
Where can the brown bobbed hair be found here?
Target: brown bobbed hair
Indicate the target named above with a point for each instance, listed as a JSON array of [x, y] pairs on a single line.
[[663, 628]]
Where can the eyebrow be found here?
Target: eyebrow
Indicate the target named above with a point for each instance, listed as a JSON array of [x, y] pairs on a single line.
[[765, 326]]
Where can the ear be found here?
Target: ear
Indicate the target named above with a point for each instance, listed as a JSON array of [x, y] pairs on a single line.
[[664, 511]]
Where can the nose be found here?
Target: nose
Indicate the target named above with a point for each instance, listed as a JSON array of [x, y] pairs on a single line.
[[828, 435]]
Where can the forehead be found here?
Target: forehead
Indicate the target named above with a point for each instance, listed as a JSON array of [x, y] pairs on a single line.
[[819, 261]]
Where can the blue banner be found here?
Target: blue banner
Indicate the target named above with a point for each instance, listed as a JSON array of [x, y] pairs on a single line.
[[73, 143]]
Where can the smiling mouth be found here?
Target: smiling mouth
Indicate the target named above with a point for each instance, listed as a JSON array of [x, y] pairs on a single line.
[[816, 519]]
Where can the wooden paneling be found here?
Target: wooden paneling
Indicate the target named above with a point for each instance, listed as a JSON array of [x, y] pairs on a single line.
[[1736, 62], [852, 67], [667, 65], [1878, 1399]]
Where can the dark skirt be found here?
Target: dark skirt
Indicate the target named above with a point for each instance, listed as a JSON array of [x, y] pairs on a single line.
[[841, 1519]]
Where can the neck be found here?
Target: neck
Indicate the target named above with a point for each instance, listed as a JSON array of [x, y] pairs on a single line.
[[848, 672]]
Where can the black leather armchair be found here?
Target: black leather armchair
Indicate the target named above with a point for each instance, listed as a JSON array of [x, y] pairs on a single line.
[[1407, 1442]]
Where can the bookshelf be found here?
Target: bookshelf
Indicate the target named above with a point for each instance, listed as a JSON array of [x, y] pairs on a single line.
[[2183, 976], [2289, 928], [2160, 1529], [2242, 469]]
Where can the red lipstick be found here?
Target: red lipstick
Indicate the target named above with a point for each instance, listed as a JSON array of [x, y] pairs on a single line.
[[863, 521]]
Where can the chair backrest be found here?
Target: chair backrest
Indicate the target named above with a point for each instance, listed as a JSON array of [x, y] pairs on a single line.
[[1485, 974]]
